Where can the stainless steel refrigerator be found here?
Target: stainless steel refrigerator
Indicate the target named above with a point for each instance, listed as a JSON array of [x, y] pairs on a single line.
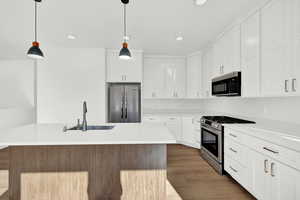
[[124, 103]]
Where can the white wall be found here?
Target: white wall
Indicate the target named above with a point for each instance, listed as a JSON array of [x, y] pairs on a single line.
[[17, 102], [66, 78], [282, 109]]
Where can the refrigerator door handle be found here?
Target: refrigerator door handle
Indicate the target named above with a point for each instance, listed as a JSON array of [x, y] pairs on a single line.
[[125, 103], [122, 112], [122, 107]]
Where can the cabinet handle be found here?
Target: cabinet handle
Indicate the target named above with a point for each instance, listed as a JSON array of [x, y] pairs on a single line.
[[272, 169], [231, 149], [172, 118], [286, 82], [270, 150], [266, 166], [232, 135], [294, 85], [233, 169]]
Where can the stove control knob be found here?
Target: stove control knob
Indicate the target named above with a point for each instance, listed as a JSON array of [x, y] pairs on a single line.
[[215, 125]]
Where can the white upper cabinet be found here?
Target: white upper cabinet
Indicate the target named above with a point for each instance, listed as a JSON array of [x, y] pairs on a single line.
[[207, 68], [194, 75], [119, 70], [232, 50], [274, 56], [250, 56], [164, 77], [153, 84], [295, 72], [227, 52], [175, 77]]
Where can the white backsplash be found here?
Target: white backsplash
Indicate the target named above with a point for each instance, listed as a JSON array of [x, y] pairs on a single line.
[[286, 109], [169, 105], [282, 108]]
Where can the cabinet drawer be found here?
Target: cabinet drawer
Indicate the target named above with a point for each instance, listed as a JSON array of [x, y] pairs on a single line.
[[274, 151], [235, 151], [234, 135], [153, 119], [236, 170]]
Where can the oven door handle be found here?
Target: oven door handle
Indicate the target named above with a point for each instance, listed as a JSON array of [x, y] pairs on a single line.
[[212, 130]]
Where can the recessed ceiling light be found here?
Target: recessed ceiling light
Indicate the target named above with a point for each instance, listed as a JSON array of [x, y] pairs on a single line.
[[71, 37], [179, 38], [200, 2]]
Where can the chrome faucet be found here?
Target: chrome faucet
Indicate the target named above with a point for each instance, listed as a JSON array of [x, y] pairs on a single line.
[[84, 122]]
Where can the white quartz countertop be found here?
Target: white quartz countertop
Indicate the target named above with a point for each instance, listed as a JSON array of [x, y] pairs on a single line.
[[52, 134], [280, 133]]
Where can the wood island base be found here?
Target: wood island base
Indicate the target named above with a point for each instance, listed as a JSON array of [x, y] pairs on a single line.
[[91, 172]]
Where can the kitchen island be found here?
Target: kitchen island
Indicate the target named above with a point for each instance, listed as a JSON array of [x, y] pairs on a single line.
[[127, 162]]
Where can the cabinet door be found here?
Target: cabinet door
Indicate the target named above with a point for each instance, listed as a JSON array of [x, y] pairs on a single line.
[[119, 70], [218, 57], [295, 31], [207, 66], [250, 56], [175, 77], [174, 124], [274, 46], [188, 130], [283, 182], [260, 170], [153, 84], [194, 67], [133, 69], [232, 50]]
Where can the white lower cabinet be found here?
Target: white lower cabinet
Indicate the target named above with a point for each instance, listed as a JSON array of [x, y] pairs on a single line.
[[273, 180], [186, 130], [191, 132], [174, 124], [265, 176]]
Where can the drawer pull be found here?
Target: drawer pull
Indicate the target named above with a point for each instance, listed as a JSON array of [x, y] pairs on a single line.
[[172, 118], [266, 166], [232, 135], [272, 169], [270, 150], [231, 149], [236, 171]]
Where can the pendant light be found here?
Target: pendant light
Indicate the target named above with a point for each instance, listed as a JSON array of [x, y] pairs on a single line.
[[35, 51], [125, 53]]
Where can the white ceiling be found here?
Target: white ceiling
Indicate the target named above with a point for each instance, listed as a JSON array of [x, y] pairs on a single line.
[[153, 24]]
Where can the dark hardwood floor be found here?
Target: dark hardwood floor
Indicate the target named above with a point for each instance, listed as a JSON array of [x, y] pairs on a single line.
[[193, 179]]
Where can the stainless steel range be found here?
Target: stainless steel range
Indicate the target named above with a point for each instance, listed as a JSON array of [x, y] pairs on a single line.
[[212, 139]]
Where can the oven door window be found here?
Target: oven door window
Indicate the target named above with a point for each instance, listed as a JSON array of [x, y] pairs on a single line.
[[210, 142]]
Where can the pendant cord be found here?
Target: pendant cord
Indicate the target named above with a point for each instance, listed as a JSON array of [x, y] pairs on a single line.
[[35, 22], [125, 28]]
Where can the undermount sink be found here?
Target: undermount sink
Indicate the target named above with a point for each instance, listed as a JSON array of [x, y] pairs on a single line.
[[90, 128]]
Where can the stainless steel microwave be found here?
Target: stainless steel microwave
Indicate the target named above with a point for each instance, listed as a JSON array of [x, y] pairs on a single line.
[[227, 85]]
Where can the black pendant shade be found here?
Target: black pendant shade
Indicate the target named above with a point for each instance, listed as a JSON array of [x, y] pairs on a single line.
[[125, 53], [35, 52]]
